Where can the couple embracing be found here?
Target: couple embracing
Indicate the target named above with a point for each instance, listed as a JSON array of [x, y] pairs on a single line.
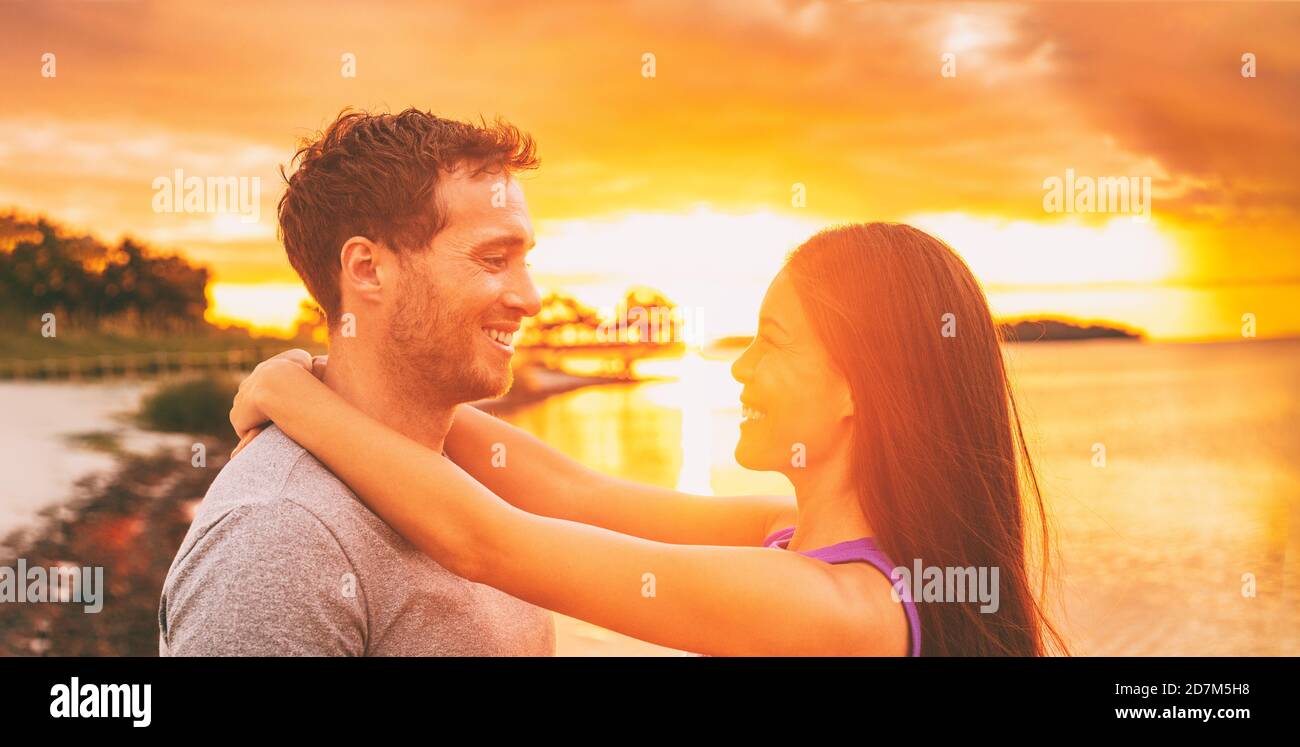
[[364, 515]]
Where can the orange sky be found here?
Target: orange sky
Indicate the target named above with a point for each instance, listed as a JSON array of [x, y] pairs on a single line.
[[683, 181]]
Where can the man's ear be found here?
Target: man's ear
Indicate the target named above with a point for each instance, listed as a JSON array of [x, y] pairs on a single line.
[[360, 275]]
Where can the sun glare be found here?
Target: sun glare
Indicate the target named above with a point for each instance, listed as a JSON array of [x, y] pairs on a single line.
[[269, 308]]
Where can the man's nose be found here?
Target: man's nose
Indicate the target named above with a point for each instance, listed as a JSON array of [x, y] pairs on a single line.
[[523, 295]]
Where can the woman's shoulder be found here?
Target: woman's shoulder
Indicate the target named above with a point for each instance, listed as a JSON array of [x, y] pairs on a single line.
[[872, 595]]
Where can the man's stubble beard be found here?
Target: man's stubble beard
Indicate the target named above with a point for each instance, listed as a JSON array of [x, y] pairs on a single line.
[[432, 354]]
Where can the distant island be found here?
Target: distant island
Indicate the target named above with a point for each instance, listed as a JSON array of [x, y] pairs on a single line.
[[1043, 330], [1020, 330]]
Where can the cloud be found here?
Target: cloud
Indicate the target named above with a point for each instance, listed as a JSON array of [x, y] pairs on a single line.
[[1165, 81]]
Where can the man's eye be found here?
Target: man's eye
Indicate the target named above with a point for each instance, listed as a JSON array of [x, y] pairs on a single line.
[[497, 261]]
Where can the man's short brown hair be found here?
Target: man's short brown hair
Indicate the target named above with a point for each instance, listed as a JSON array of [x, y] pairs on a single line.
[[375, 175]]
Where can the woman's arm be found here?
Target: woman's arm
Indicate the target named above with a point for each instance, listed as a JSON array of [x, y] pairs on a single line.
[[714, 600], [537, 478]]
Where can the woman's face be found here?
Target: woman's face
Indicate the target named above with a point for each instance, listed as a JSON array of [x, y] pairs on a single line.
[[795, 404]]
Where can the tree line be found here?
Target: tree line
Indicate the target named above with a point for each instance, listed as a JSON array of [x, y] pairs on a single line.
[[85, 283]]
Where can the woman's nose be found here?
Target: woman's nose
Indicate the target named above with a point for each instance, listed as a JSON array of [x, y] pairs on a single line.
[[742, 367]]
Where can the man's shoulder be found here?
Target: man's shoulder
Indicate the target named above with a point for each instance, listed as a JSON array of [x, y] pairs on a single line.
[[276, 541], [276, 494], [266, 554], [272, 464], [261, 493], [274, 475]]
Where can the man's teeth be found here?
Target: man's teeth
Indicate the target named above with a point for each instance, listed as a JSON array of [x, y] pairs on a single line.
[[752, 414], [501, 336]]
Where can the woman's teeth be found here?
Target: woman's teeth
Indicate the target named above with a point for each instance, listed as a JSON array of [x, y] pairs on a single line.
[[500, 336], [750, 413]]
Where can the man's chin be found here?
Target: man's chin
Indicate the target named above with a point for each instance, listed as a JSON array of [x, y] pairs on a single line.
[[493, 384], [506, 381]]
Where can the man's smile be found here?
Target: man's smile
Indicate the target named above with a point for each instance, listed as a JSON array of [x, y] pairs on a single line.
[[503, 337]]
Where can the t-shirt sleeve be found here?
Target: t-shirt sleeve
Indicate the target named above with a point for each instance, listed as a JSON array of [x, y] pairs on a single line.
[[267, 579]]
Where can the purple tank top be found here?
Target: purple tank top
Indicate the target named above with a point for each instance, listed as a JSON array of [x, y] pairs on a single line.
[[862, 550]]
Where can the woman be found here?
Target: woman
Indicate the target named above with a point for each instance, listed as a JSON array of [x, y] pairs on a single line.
[[893, 420]]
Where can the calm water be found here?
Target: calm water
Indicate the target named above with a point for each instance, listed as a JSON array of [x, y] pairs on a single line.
[[1201, 483], [38, 465]]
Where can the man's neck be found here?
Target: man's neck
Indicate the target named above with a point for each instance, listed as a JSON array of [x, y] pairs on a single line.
[[358, 377]]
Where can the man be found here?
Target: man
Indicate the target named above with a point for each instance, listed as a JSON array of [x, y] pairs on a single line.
[[410, 232]]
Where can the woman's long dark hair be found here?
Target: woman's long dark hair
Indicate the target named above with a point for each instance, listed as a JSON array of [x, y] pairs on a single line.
[[938, 451]]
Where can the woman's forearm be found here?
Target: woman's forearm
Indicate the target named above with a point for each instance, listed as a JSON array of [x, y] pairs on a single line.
[[537, 478], [496, 453]]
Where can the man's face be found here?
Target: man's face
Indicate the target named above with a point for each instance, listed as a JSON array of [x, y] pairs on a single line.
[[452, 322]]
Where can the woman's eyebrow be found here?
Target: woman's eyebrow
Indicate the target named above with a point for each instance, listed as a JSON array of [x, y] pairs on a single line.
[[772, 323]]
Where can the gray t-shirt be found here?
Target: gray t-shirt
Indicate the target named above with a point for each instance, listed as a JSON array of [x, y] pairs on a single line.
[[283, 560]]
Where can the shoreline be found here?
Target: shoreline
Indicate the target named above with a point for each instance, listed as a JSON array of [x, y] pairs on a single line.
[[536, 383]]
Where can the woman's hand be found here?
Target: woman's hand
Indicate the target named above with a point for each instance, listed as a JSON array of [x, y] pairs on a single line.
[[248, 414]]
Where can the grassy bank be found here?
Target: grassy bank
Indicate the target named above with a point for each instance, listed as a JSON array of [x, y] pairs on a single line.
[[78, 355], [29, 345]]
